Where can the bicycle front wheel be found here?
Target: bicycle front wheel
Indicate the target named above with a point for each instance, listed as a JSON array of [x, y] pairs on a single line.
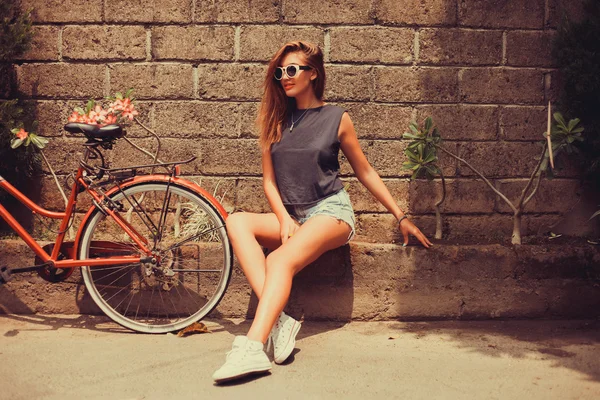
[[192, 258]]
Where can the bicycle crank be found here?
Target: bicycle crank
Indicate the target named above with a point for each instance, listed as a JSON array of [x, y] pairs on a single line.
[[49, 272]]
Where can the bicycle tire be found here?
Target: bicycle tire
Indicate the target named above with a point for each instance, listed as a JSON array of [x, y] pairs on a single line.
[[119, 296]]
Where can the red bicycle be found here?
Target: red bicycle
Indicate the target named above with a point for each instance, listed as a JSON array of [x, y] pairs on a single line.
[[152, 248]]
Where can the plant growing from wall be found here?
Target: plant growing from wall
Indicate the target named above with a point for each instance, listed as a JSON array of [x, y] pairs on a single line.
[[423, 161], [576, 53], [564, 137], [15, 39]]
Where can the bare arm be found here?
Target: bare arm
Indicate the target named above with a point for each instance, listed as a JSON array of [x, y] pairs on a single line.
[[367, 175], [288, 224]]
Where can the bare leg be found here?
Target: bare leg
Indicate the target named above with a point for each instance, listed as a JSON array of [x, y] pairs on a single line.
[[248, 232], [318, 235]]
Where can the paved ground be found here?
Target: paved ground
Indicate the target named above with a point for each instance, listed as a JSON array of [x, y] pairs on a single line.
[[75, 357]]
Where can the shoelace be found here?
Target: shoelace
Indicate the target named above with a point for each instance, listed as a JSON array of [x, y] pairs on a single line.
[[274, 332], [277, 333], [230, 355]]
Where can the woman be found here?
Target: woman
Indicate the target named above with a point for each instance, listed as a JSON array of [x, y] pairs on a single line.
[[300, 136]]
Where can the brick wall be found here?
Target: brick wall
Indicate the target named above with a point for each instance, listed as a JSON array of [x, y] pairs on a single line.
[[482, 69]]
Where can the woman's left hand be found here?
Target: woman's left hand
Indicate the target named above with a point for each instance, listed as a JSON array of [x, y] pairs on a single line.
[[408, 228]]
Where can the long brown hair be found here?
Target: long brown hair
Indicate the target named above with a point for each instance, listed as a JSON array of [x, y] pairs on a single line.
[[275, 105]]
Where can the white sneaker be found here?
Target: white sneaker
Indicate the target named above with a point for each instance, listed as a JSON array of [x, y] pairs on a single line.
[[246, 357], [283, 337]]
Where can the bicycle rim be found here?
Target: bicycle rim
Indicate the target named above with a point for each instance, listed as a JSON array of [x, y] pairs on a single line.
[[193, 258]]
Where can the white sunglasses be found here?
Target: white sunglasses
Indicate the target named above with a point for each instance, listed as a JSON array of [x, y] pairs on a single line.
[[290, 70]]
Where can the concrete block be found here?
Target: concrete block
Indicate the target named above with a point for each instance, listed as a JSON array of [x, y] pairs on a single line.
[[414, 85], [501, 86], [371, 45], [107, 42], [61, 80], [502, 14], [439, 46], [195, 43]]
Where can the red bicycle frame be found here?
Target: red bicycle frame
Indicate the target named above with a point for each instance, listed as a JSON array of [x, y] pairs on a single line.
[[99, 199], [66, 217]]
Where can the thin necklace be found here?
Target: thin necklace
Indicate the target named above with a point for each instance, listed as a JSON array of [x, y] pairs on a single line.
[[298, 120]]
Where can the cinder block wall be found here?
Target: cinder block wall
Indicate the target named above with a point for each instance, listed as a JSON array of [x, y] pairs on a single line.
[[482, 69]]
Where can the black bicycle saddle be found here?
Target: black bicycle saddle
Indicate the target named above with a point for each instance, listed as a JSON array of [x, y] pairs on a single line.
[[107, 132]]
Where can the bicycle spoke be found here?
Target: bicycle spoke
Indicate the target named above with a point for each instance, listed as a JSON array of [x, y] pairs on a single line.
[[130, 300], [135, 208], [98, 269], [184, 304], [163, 302], [149, 308], [191, 238], [123, 288], [191, 264]]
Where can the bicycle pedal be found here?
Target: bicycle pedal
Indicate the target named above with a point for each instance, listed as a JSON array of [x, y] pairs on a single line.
[[5, 275]]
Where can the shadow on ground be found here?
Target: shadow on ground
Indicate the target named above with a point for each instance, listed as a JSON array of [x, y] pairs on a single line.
[[565, 343], [98, 323]]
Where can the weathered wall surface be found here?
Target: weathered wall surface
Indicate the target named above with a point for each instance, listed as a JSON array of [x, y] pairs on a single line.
[[482, 69], [365, 281]]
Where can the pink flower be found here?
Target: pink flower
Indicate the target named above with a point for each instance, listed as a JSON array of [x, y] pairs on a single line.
[[22, 134], [130, 113], [119, 111], [110, 119], [74, 117], [117, 105]]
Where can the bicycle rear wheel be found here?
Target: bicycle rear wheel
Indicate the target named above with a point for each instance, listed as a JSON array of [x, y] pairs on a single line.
[[192, 258]]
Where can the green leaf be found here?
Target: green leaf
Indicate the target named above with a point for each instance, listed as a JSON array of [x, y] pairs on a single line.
[[414, 130], [408, 165], [429, 157], [594, 215], [16, 142], [410, 152], [560, 120], [34, 139], [432, 170], [15, 130], [410, 136], [38, 141], [414, 158], [119, 95], [89, 106], [572, 124], [428, 124], [128, 93], [79, 111]]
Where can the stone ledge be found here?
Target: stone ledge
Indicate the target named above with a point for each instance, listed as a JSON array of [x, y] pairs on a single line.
[[366, 281]]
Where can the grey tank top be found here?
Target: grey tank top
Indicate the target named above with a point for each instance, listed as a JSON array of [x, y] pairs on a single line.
[[306, 160]]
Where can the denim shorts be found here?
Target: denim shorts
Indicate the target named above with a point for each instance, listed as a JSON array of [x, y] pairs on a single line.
[[337, 206]]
